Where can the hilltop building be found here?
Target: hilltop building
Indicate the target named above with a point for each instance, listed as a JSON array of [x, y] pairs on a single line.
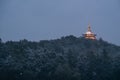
[[89, 34]]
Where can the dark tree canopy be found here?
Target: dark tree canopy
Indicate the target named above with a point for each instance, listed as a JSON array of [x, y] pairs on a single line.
[[68, 58]]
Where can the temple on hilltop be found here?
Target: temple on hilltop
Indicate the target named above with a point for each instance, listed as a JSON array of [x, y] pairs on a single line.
[[89, 34]]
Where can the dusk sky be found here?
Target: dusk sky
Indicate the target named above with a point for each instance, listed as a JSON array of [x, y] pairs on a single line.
[[51, 19]]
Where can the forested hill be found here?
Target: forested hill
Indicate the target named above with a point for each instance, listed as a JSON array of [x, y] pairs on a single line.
[[68, 58]]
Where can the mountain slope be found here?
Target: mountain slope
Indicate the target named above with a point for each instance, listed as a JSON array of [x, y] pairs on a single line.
[[68, 58]]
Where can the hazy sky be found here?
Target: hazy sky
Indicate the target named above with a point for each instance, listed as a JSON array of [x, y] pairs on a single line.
[[51, 19]]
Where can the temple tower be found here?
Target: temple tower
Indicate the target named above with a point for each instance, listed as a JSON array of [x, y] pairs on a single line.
[[89, 34]]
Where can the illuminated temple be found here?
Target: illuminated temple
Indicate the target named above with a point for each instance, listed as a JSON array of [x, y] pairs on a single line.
[[89, 34]]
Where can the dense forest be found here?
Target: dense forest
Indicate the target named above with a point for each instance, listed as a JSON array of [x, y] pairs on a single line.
[[67, 58]]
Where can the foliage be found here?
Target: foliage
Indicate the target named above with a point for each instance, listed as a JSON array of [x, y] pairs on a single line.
[[68, 58]]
